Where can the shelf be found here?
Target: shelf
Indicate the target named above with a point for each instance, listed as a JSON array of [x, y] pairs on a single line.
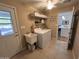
[[40, 15]]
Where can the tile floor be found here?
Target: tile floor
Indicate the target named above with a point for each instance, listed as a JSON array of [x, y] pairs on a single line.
[[53, 51]]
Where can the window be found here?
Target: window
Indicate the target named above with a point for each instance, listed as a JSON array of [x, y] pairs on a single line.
[[6, 27]]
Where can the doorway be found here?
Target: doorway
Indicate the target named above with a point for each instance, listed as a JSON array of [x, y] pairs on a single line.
[[64, 27]]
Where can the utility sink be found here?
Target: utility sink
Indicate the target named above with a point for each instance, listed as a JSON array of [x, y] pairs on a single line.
[[31, 38]]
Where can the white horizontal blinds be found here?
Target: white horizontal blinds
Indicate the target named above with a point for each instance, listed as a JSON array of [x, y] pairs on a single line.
[[5, 23]]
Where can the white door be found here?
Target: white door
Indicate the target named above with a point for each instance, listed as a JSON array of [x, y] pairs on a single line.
[[10, 42]]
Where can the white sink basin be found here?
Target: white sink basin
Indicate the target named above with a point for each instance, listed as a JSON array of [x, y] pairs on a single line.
[[31, 38]]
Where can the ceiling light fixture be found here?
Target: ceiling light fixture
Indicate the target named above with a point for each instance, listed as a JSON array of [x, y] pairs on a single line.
[[50, 5]]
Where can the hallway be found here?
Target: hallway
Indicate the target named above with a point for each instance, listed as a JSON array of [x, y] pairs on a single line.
[[57, 51]]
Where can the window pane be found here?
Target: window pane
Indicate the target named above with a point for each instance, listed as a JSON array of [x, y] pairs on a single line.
[[5, 23], [6, 29], [5, 15]]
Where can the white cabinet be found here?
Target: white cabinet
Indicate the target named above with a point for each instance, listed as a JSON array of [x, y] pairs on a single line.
[[44, 38], [31, 38], [65, 32]]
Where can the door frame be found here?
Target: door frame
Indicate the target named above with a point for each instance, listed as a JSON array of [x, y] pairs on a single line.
[[73, 30]]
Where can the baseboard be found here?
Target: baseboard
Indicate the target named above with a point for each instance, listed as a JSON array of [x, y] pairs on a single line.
[[73, 54]]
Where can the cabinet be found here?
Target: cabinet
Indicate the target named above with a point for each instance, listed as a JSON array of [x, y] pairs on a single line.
[[44, 38], [65, 32]]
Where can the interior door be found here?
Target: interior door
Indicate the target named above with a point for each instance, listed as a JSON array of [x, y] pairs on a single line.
[[9, 35]]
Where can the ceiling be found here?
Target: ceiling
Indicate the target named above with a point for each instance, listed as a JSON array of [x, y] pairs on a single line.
[[41, 3], [36, 1], [44, 2]]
